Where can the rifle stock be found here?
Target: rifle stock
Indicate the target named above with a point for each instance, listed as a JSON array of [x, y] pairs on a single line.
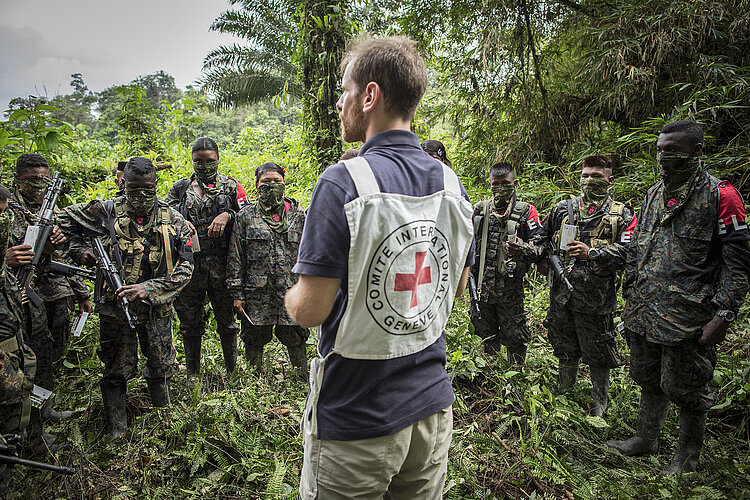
[[473, 295]]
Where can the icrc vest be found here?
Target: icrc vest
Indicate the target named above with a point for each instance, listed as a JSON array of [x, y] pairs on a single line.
[[406, 257]]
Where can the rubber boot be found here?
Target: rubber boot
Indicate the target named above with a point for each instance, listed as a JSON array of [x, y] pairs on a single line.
[[517, 355], [229, 348], [599, 390], [159, 392], [50, 413], [567, 373], [688, 451], [298, 358], [651, 416], [254, 357], [113, 395], [39, 441], [192, 347]]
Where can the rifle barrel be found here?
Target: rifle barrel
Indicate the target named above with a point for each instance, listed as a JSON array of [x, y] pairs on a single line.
[[10, 459]]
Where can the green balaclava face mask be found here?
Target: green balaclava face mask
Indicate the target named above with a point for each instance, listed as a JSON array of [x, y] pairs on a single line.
[[501, 195], [141, 200], [206, 172], [270, 196], [676, 169], [32, 189], [594, 190]]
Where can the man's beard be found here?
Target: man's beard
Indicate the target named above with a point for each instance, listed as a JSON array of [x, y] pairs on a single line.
[[353, 126]]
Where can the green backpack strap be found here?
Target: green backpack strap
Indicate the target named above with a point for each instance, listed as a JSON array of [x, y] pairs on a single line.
[[483, 244], [514, 218]]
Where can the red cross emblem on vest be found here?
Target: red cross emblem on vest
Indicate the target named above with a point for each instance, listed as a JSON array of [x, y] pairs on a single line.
[[409, 282]]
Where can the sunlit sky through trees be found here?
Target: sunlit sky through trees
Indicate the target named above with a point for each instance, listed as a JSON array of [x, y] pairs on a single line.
[[109, 42]]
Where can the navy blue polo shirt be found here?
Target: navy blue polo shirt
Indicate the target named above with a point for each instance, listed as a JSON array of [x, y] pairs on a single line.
[[361, 399]]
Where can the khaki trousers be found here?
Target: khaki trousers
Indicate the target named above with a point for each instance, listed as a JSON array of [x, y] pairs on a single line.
[[410, 464]]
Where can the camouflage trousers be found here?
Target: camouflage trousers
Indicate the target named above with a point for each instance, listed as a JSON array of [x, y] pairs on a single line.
[[260, 335], [502, 324], [682, 371], [589, 337], [50, 333], [118, 349], [15, 386], [208, 279]]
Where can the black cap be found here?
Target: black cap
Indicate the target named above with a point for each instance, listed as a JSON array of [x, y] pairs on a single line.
[[436, 150], [121, 166]]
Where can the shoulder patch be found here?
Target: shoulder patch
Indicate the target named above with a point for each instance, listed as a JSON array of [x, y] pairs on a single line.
[[731, 210], [533, 222]]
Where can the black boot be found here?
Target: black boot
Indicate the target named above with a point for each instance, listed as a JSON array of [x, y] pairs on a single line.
[[651, 416], [599, 390], [113, 396], [298, 358], [517, 355], [567, 373], [192, 347], [229, 349], [50, 413], [254, 357], [688, 451], [159, 392]]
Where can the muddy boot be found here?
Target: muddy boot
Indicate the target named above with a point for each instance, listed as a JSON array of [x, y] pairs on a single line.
[[517, 355], [254, 357], [298, 358], [229, 349], [113, 395], [599, 390], [692, 432], [192, 347], [159, 392], [50, 413], [567, 373], [651, 417]]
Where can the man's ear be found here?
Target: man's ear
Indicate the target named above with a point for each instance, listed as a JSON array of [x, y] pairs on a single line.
[[372, 97], [698, 149], [611, 179]]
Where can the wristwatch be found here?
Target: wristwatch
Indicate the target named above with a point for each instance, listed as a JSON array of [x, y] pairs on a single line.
[[593, 253], [726, 315]]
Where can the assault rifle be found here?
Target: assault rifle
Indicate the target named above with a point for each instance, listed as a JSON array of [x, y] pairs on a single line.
[[9, 455], [37, 236], [473, 295], [107, 272], [68, 270], [557, 266]]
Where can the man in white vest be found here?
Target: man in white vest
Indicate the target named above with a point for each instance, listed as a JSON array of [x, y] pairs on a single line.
[[386, 247]]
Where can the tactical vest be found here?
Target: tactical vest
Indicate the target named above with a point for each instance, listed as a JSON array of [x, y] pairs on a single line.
[[136, 249], [492, 236], [221, 203], [603, 235]]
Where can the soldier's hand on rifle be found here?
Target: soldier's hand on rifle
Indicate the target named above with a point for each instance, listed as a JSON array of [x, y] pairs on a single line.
[[191, 227], [85, 305], [219, 223], [239, 305], [88, 258], [578, 249], [57, 237], [513, 247], [19, 255], [133, 293], [714, 332]]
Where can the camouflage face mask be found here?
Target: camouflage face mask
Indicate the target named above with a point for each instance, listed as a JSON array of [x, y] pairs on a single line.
[[594, 190], [32, 189], [501, 195], [206, 171], [141, 200], [676, 169], [271, 195]]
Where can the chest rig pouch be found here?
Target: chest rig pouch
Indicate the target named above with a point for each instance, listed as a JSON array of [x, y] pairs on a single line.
[[220, 203], [505, 264]]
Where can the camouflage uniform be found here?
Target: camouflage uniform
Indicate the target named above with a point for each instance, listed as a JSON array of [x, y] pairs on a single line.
[[209, 276], [259, 271], [688, 261], [580, 322], [502, 318], [144, 260], [50, 322]]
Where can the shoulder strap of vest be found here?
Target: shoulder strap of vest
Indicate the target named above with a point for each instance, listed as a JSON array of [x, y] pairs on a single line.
[[518, 210], [181, 188], [361, 173], [617, 208], [571, 214], [109, 222]]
